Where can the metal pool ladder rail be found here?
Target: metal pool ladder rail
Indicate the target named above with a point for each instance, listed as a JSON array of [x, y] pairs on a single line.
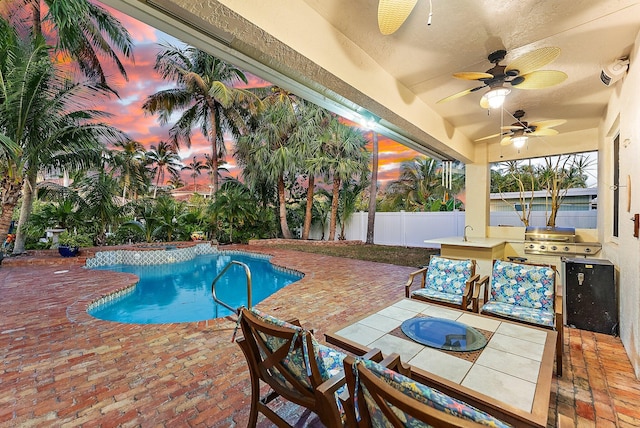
[[247, 273]]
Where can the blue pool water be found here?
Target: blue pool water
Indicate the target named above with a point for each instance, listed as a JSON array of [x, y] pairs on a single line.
[[181, 292]]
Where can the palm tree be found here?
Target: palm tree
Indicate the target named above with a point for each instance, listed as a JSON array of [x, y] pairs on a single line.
[[196, 167], [175, 182], [313, 122], [167, 211], [268, 154], [321, 209], [130, 161], [419, 183], [373, 189], [99, 191], [234, 205], [208, 163], [81, 30], [204, 95], [163, 159], [349, 194], [46, 116], [343, 157]]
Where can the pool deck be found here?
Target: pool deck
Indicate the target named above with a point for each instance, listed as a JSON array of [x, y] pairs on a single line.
[[61, 367]]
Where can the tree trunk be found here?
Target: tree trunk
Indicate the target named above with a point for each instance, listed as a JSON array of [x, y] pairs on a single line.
[[373, 190], [334, 208], [214, 147], [286, 233], [28, 191], [555, 205], [308, 210], [11, 192]]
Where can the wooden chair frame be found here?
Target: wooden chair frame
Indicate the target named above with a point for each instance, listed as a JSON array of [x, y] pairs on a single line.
[[557, 309], [263, 363], [384, 394], [468, 291]]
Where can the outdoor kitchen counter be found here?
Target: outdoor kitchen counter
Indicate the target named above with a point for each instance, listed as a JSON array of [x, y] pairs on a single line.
[[483, 250], [456, 241]]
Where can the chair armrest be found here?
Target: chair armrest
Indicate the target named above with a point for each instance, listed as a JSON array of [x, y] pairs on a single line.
[[558, 306], [476, 293], [471, 285], [467, 295], [294, 321], [412, 276], [374, 355], [393, 362]]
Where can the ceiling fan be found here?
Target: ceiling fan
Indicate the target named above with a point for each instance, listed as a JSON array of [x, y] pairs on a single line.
[[518, 132], [522, 73]]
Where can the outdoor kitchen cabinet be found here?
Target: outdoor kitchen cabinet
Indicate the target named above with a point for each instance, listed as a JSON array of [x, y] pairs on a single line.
[[591, 295]]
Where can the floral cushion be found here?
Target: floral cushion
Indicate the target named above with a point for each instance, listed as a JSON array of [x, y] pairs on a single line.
[[448, 276], [295, 360], [432, 294], [429, 396], [329, 361], [523, 285], [521, 313]]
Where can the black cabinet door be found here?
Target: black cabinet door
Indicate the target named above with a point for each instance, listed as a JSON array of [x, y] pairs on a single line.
[[591, 295]]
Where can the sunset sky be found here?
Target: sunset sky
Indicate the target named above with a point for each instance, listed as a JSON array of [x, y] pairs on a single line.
[[143, 81]]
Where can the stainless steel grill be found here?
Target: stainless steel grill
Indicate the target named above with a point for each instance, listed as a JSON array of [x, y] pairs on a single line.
[[557, 241]]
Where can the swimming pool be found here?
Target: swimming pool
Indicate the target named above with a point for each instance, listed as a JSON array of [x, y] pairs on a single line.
[[181, 292]]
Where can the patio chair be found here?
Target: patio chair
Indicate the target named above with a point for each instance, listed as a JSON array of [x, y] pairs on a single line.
[[381, 396], [526, 293], [293, 364], [445, 281]]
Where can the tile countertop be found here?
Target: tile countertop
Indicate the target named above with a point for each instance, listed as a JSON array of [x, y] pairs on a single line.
[[472, 242]]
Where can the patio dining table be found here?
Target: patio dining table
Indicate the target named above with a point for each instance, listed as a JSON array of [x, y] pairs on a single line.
[[509, 378]]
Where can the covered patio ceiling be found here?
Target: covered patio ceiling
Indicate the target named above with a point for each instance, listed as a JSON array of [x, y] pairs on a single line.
[[332, 52]]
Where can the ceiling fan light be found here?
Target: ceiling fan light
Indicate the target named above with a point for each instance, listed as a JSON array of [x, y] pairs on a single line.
[[520, 141], [495, 97]]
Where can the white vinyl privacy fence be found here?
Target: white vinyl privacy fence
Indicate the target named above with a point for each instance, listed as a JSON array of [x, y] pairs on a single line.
[[412, 229]]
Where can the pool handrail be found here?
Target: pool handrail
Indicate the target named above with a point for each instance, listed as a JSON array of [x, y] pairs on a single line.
[[226, 268]]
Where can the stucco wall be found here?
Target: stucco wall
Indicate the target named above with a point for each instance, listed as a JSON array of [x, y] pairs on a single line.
[[624, 251]]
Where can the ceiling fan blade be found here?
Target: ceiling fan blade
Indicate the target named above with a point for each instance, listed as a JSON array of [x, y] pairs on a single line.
[[512, 127], [544, 132], [488, 137], [393, 13], [548, 123], [533, 60], [458, 95], [541, 79], [506, 141], [472, 75]]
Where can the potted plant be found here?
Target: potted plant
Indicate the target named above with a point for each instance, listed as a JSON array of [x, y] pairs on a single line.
[[69, 243]]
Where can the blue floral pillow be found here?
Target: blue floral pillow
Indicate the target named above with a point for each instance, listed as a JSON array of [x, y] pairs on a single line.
[[523, 285], [448, 276]]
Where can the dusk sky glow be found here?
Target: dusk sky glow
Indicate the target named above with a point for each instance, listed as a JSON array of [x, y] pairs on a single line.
[[128, 116]]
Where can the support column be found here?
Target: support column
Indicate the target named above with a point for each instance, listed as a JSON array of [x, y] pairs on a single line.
[[477, 184]]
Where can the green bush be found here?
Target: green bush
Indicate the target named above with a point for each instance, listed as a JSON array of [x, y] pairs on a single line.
[[75, 240]]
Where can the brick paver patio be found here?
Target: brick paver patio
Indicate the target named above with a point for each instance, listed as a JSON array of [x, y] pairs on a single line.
[[61, 367]]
